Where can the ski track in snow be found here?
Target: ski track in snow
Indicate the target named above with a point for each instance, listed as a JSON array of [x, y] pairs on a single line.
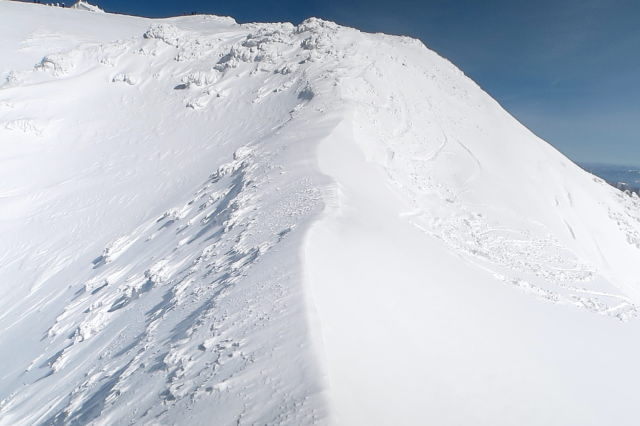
[[199, 309], [541, 267]]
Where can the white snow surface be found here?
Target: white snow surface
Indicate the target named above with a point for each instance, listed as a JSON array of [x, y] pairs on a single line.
[[210, 223]]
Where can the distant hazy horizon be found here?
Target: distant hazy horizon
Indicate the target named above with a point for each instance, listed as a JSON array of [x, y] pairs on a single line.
[[623, 177]]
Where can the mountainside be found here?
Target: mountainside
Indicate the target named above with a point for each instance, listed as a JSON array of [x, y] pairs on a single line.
[[211, 223]]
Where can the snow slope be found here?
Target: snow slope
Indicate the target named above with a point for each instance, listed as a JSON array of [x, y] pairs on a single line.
[[211, 223]]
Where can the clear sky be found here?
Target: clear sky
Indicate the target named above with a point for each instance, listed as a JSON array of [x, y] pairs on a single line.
[[568, 69]]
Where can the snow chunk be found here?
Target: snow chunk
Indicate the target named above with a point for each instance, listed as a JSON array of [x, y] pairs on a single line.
[[83, 5], [316, 41], [197, 79], [23, 125], [125, 78], [316, 25], [306, 94], [113, 251], [11, 80], [57, 64], [167, 33]]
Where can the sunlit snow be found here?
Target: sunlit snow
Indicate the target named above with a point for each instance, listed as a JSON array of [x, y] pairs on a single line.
[[203, 222]]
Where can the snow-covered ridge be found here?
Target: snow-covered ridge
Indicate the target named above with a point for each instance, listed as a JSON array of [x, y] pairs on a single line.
[[268, 223]]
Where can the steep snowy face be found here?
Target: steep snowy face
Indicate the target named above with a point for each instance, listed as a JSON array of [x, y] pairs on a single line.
[[155, 189], [205, 222], [495, 193]]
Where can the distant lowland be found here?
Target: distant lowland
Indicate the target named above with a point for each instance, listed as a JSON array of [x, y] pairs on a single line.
[[626, 178]]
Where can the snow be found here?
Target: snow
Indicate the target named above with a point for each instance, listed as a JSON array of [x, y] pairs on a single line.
[[211, 223], [83, 5]]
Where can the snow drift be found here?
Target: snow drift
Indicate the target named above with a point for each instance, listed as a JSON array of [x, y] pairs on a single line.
[[211, 223]]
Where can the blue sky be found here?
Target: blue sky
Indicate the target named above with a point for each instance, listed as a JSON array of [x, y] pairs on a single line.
[[567, 69]]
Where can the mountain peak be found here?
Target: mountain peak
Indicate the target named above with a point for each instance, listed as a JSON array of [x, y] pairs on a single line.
[[210, 222]]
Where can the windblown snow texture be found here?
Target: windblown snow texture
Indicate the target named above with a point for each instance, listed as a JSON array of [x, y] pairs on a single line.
[[211, 223]]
